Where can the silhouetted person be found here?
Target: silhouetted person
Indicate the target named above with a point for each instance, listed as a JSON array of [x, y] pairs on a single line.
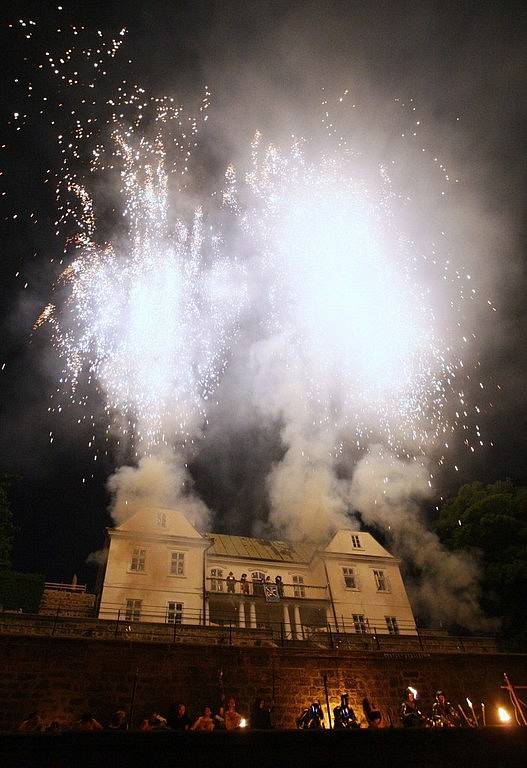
[[231, 581], [261, 715], [178, 719]]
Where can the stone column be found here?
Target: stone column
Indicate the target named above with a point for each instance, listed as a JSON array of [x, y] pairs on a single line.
[[252, 614], [298, 625], [287, 622], [241, 614], [207, 621]]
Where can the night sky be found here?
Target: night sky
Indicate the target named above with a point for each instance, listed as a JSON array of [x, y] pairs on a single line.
[[264, 62]]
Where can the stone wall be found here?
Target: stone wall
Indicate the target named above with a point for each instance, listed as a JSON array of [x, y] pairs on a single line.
[[65, 677]]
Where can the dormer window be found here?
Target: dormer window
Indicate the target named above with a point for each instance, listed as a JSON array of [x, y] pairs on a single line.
[[162, 519], [355, 541]]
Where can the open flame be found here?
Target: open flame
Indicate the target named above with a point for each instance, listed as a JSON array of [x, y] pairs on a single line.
[[243, 723], [503, 715]]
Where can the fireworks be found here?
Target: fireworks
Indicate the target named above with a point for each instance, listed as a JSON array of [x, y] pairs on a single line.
[[148, 301], [349, 300]]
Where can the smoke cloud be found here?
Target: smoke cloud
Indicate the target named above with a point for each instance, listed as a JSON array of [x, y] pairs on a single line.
[[387, 491], [157, 481]]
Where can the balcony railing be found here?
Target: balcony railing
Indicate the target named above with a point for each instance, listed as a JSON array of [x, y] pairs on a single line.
[[266, 590], [153, 625]]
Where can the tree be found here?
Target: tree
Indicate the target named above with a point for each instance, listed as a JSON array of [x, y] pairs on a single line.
[[7, 529], [491, 521]]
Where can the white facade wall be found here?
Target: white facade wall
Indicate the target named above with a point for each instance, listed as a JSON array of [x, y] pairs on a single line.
[[140, 567]]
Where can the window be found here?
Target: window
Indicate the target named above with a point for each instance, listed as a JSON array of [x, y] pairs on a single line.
[[391, 623], [258, 579], [355, 541], [162, 519], [174, 613], [349, 578], [298, 586], [380, 581], [138, 560], [177, 564], [360, 623], [216, 580], [133, 610]]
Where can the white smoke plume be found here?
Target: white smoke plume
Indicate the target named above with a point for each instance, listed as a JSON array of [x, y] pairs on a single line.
[[307, 500], [387, 491], [157, 481]]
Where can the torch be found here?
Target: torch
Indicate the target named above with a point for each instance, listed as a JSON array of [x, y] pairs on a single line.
[[473, 712]]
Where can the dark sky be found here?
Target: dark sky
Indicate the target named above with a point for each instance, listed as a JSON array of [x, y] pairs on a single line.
[[263, 60]]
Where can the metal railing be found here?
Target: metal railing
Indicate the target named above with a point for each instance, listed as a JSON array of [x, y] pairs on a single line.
[[59, 586], [153, 626], [250, 588]]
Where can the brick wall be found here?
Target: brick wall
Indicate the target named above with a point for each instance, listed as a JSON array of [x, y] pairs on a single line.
[[65, 677]]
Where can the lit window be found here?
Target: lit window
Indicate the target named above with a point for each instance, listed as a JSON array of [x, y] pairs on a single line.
[[298, 586], [349, 578], [355, 541], [177, 563], [162, 519], [133, 610], [360, 623], [216, 581], [391, 623], [138, 559], [174, 613], [380, 581]]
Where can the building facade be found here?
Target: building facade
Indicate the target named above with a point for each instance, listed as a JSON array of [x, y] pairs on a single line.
[[159, 568]]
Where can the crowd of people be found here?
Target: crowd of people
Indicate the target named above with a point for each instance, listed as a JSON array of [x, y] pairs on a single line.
[[258, 584], [226, 717], [177, 719], [443, 715]]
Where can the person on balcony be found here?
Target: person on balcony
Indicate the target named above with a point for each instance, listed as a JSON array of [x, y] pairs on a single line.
[[280, 584], [244, 584], [231, 581], [258, 586]]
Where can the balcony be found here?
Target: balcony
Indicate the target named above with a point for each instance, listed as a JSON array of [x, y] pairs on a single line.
[[269, 591]]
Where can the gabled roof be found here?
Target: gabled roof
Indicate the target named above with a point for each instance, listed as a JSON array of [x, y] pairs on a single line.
[[259, 549]]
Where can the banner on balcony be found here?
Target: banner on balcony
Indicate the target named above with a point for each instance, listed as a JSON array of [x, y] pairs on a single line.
[[271, 593]]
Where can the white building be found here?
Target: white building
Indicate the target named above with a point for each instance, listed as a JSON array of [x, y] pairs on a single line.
[[161, 569]]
